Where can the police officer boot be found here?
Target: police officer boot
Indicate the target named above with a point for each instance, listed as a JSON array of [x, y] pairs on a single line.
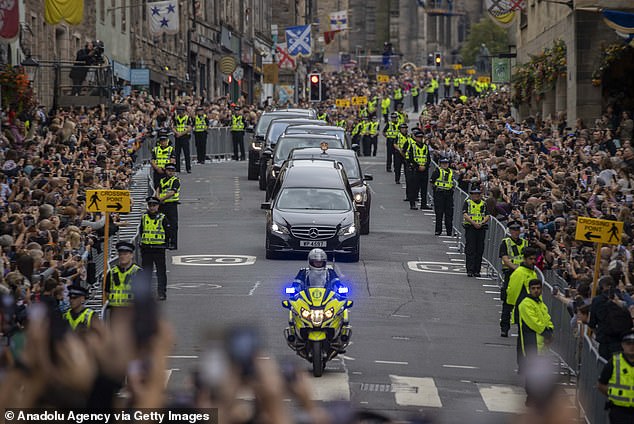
[[412, 206]]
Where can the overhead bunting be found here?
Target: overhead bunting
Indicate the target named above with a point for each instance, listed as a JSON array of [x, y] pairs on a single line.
[[298, 40], [503, 12], [71, 11], [338, 20], [9, 19], [621, 22]]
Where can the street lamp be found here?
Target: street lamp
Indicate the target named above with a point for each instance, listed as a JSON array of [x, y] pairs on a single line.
[[31, 67]]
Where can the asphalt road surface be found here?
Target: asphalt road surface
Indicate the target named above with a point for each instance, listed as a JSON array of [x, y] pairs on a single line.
[[425, 337]]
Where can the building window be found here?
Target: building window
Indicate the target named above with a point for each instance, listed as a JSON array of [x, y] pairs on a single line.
[[102, 10], [124, 16], [113, 21]]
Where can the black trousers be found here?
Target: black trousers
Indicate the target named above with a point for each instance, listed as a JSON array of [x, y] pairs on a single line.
[[397, 102], [374, 140], [417, 185], [201, 145], [156, 178], [170, 210], [474, 248], [621, 415], [430, 98], [366, 145], [182, 145], [443, 207], [398, 164], [415, 102], [389, 148], [151, 257], [505, 319], [447, 91], [238, 144]]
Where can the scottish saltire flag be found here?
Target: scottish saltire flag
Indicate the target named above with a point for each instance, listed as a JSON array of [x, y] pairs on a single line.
[[163, 17], [298, 40], [338, 20]]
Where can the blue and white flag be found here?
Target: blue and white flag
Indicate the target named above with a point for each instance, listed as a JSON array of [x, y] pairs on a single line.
[[298, 40], [338, 20], [163, 17]]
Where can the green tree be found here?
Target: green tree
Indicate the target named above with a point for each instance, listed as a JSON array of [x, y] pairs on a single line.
[[484, 32]]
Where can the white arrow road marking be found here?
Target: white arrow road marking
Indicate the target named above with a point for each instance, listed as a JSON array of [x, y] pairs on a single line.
[[425, 395], [501, 398]]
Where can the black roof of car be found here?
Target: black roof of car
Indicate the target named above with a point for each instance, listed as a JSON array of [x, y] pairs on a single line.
[[314, 127], [316, 153], [303, 173]]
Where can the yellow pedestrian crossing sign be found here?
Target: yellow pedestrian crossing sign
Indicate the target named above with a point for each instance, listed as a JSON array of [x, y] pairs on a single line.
[[342, 102], [382, 78], [598, 230], [108, 201], [360, 100]]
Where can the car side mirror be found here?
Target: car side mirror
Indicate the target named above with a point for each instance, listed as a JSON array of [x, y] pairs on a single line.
[[286, 304], [265, 206], [355, 147], [349, 304], [368, 177]]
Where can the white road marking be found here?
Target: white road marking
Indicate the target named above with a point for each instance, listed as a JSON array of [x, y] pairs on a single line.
[[168, 374], [400, 316], [213, 260], [490, 285], [400, 338], [483, 278], [255, 286], [449, 241], [453, 253], [453, 247], [464, 367], [456, 260], [491, 292], [425, 395], [501, 398], [452, 237], [182, 357], [391, 362]]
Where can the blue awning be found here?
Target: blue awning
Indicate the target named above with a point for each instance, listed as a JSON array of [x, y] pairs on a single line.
[[622, 22]]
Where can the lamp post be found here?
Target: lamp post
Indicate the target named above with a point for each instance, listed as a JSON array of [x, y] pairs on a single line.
[[31, 67]]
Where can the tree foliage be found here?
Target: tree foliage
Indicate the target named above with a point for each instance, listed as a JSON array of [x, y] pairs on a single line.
[[487, 32]]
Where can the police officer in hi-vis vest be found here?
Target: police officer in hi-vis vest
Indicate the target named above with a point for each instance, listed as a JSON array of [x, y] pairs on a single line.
[[443, 185], [415, 91], [370, 134], [475, 222], [182, 132], [400, 151], [617, 382], [78, 317], [121, 277], [418, 161], [201, 124], [512, 255], [237, 133], [168, 192], [397, 95], [162, 154], [153, 231], [390, 131]]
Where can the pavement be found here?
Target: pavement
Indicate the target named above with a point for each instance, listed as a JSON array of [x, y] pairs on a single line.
[[425, 337]]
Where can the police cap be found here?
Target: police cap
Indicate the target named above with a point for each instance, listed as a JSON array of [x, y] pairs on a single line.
[[402, 126], [443, 160], [515, 225], [180, 107], [170, 166], [152, 199], [416, 132], [394, 115], [475, 190], [76, 291], [628, 337], [124, 246]]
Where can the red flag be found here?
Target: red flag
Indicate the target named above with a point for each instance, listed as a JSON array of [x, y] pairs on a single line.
[[9, 20], [329, 36]]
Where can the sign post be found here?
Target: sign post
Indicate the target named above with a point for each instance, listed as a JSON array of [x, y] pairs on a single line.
[[107, 201], [598, 231]]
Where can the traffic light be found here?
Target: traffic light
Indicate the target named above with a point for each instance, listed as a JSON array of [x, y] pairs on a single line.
[[438, 59], [315, 87]]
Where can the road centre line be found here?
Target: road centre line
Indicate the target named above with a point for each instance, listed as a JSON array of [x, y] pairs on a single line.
[[465, 367], [182, 357], [391, 362]]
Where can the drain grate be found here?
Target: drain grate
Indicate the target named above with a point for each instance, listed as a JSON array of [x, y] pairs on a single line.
[[393, 388]]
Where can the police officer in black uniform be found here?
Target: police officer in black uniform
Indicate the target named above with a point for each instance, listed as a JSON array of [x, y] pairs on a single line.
[[162, 154], [121, 278], [512, 255], [168, 192], [153, 231], [443, 185], [418, 175], [475, 222]]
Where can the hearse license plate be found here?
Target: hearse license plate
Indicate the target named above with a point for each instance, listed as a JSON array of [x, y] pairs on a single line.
[[312, 243]]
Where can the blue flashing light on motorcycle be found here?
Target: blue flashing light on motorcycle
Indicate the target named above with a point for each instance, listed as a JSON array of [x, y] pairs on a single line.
[[290, 290], [343, 290]]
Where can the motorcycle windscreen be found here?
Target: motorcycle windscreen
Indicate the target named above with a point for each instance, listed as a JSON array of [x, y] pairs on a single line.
[[316, 336]]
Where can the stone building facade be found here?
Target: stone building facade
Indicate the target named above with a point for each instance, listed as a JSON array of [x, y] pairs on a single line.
[[583, 31]]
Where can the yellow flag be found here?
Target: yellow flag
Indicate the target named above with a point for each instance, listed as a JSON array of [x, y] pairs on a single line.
[[71, 11]]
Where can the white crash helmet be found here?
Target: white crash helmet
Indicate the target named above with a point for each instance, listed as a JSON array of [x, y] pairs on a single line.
[[317, 260]]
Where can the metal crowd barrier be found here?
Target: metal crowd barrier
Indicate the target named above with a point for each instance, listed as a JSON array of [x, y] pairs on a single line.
[[575, 350]]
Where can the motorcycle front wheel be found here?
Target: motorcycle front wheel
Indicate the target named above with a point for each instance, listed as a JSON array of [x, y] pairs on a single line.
[[318, 360]]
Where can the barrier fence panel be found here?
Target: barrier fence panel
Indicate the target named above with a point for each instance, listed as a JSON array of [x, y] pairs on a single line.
[[591, 402], [220, 145]]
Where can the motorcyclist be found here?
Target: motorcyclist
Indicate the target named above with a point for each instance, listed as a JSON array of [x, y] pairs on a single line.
[[317, 274]]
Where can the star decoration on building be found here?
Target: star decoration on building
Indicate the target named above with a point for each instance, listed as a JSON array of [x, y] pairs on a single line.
[[164, 22], [156, 11], [171, 8]]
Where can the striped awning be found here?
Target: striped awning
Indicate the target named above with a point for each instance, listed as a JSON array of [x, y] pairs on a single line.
[[621, 22]]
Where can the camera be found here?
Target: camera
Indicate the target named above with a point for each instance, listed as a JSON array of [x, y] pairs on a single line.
[[99, 50]]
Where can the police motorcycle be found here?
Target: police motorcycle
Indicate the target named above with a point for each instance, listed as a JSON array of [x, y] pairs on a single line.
[[318, 307]]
